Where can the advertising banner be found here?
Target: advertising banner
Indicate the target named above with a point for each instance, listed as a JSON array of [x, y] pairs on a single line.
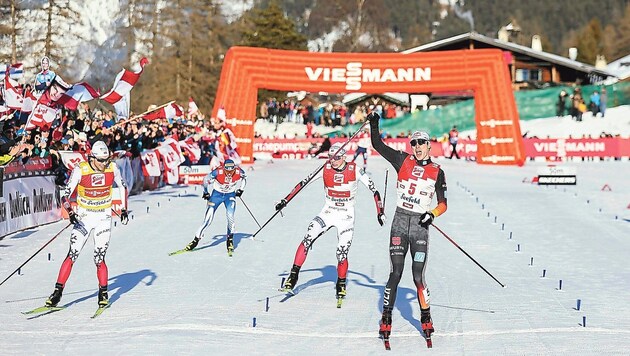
[[27, 202]]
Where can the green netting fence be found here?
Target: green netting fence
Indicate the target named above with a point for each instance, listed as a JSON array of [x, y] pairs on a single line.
[[531, 104]]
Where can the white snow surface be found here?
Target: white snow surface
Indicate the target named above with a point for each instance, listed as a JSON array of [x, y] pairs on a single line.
[[204, 302]]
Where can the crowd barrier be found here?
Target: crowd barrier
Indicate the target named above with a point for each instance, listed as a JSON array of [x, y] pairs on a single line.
[[534, 147], [29, 196]]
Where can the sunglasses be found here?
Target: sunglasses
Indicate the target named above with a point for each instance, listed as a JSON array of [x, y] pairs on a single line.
[[415, 142], [102, 160], [335, 158]]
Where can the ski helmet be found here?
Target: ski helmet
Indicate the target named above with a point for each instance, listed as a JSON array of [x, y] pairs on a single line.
[[229, 165], [336, 150], [100, 150]]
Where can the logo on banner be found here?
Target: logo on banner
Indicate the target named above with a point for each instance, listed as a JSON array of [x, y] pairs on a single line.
[[98, 180], [354, 75]]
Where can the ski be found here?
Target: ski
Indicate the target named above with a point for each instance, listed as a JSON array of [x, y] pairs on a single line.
[[99, 311], [178, 252], [428, 339], [388, 347], [288, 291], [339, 302], [43, 310], [230, 252], [427, 329]]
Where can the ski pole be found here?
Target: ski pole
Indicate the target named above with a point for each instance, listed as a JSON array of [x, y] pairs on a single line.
[[465, 253], [306, 180], [250, 212], [35, 254], [385, 191]]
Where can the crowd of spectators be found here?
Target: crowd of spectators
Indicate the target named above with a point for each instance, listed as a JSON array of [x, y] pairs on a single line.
[[326, 114]]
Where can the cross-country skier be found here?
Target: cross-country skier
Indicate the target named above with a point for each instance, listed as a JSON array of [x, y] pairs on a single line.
[[224, 182], [93, 181], [363, 146], [419, 179], [340, 187]]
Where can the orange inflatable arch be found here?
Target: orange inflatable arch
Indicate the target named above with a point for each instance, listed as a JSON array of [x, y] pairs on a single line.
[[484, 71]]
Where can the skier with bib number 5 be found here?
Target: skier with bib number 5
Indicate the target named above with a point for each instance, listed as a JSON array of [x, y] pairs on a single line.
[[419, 180]]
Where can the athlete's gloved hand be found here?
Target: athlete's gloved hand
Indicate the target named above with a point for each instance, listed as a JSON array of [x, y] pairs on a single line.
[[74, 218], [426, 219], [382, 219], [205, 196], [281, 204], [373, 117], [124, 217], [239, 192]]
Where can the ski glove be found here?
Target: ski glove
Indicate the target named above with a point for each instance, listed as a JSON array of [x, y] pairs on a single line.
[[373, 116], [205, 196], [382, 219], [426, 219], [74, 219], [281, 204], [239, 192], [124, 217]]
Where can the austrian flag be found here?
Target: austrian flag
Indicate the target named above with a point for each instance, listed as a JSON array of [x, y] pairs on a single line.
[[170, 111], [79, 93], [125, 80]]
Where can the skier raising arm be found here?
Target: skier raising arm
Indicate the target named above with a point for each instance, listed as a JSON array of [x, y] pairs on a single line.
[[93, 182], [340, 187], [419, 179], [224, 184]]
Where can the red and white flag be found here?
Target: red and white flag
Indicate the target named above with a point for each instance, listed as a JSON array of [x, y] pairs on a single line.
[[125, 80], [29, 102], [42, 117], [12, 94], [191, 149], [192, 107], [170, 111], [79, 93]]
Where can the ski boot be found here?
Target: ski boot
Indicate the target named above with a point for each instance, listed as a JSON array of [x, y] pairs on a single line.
[[55, 297], [341, 291], [291, 281], [230, 244], [103, 298], [427, 325], [192, 244], [385, 327], [341, 288]]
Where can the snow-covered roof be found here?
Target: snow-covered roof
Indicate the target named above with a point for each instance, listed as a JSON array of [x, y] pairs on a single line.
[[549, 57], [620, 68]]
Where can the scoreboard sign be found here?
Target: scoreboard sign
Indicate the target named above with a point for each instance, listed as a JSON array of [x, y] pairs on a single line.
[[557, 175]]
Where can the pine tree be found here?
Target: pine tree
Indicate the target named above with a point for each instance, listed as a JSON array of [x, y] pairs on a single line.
[[59, 16], [11, 15], [190, 41], [270, 28], [590, 42], [618, 36]]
